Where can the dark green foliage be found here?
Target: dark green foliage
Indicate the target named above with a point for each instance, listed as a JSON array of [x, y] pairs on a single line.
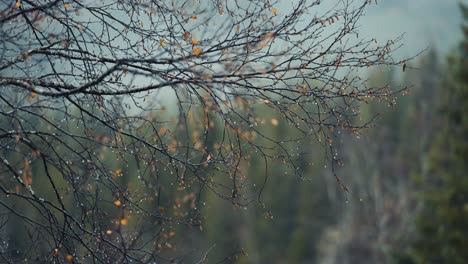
[[442, 224]]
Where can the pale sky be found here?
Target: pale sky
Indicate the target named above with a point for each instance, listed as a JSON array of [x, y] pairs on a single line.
[[427, 23]]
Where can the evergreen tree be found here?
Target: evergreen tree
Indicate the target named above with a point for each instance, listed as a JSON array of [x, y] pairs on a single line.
[[442, 223]]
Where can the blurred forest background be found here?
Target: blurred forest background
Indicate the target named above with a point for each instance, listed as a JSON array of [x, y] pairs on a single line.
[[408, 190], [407, 179]]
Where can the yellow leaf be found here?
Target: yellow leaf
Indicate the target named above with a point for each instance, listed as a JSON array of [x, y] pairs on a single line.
[[162, 42], [18, 4], [118, 203], [194, 41], [124, 221], [274, 11], [66, 6], [274, 122], [196, 51]]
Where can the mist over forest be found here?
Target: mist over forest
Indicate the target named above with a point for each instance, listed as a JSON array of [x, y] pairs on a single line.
[[238, 131]]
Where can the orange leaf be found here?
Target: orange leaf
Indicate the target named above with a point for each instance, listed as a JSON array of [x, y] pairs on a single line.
[[116, 173], [196, 51], [194, 41]]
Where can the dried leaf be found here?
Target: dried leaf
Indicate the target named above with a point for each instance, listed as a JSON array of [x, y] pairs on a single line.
[[274, 122], [196, 51], [27, 173], [267, 36]]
